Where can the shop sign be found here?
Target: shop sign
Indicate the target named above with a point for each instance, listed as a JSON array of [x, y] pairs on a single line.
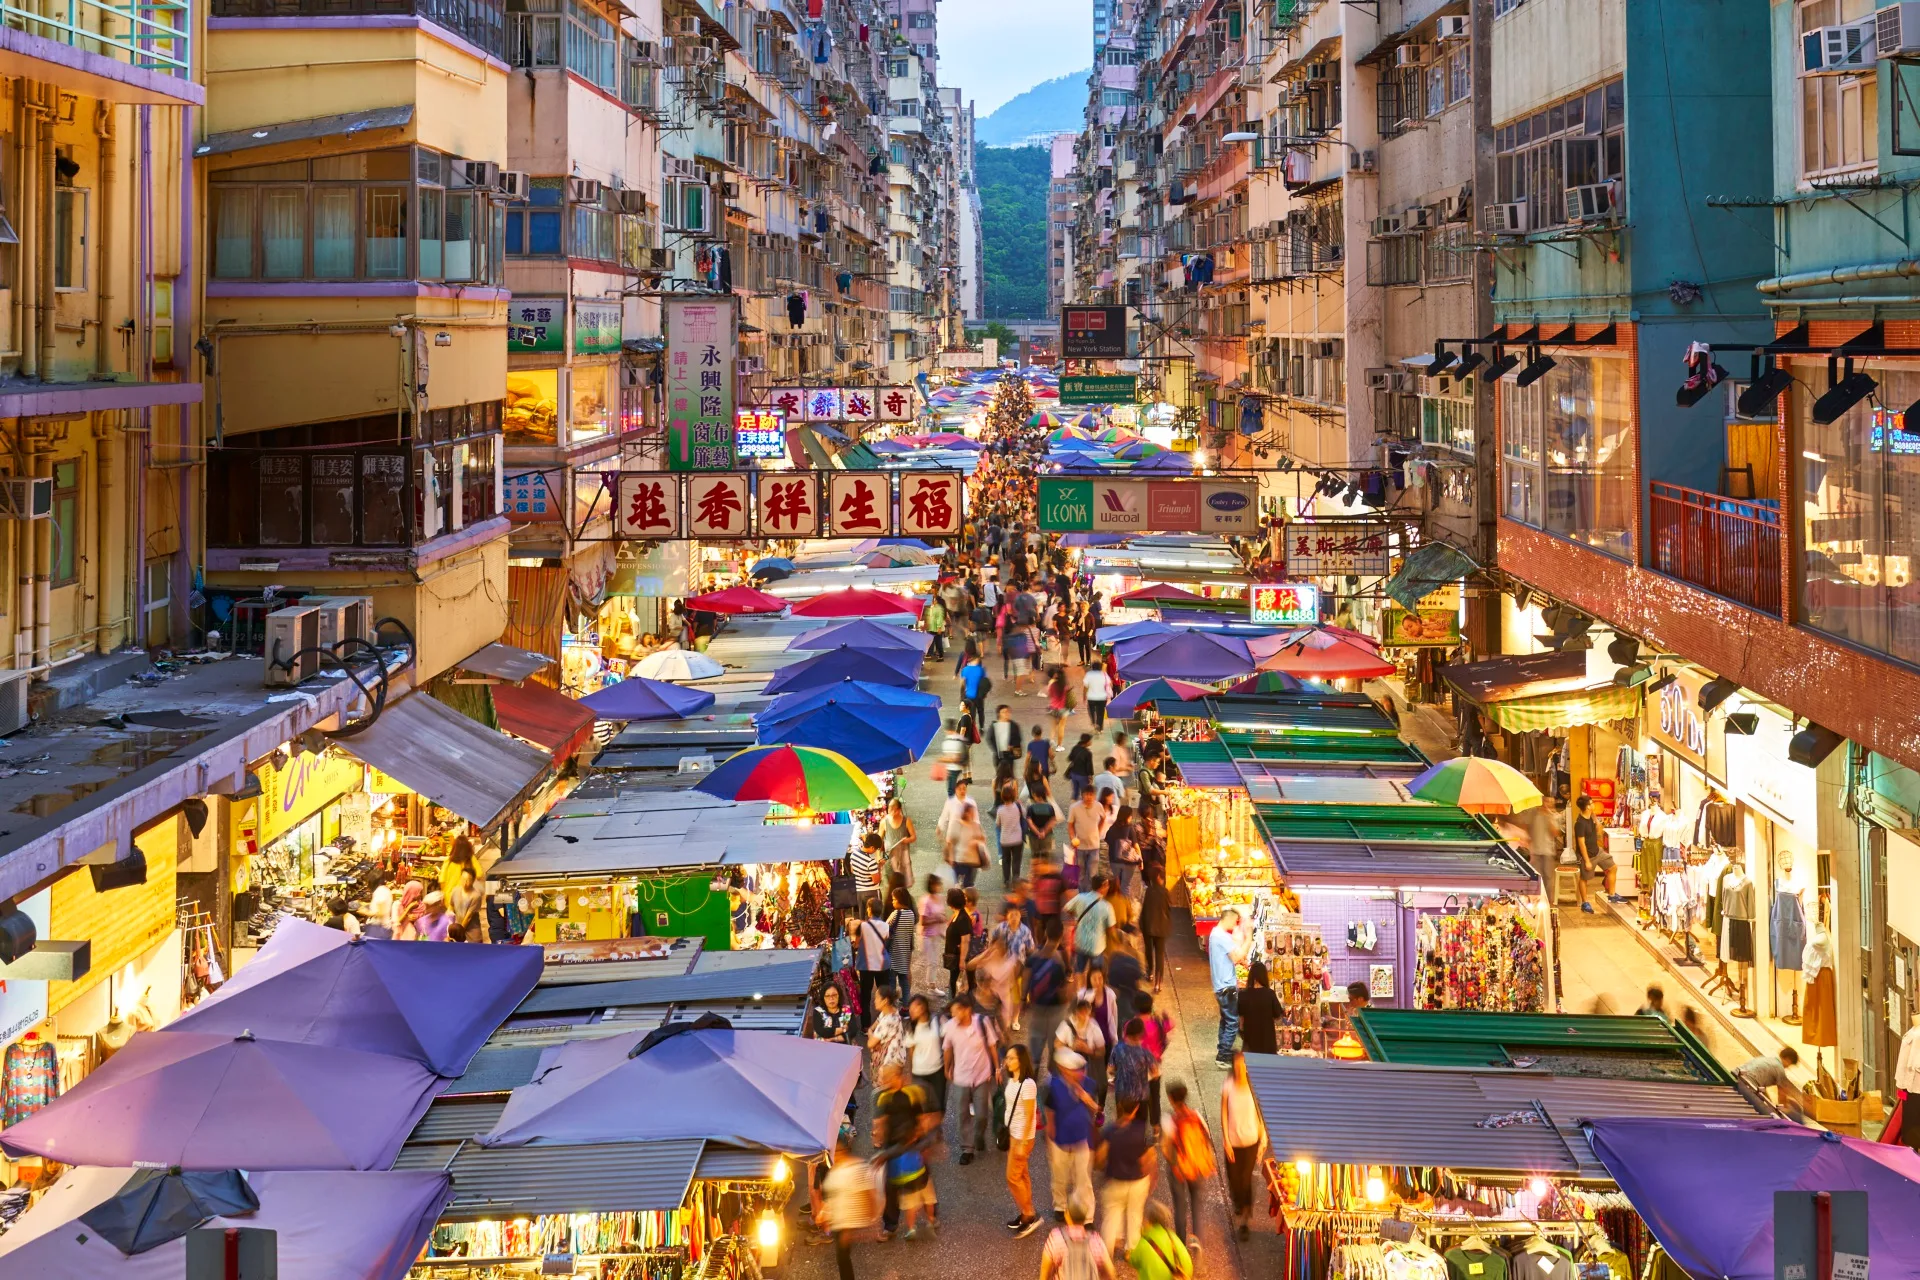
[[717, 507], [1759, 772], [759, 433], [1679, 724], [932, 504], [663, 570], [356, 818], [824, 404], [646, 505], [23, 1002], [1228, 506], [596, 328], [702, 346], [1098, 388], [1283, 603], [529, 499], [1093, 333], [1173, 505], [1165, 506], [1422, 627], [841, 404], [310, 782], [788, 505], [1605, 794], [537, 324], [859, 503], [1322, 550]]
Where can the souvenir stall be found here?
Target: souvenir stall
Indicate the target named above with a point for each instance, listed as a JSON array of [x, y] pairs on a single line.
[[1496, 1175]]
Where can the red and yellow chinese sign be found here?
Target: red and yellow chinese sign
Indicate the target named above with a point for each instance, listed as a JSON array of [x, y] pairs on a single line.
[[1283, 603]]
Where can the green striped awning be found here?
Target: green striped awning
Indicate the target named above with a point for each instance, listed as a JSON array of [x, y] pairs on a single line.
[[1564, 710]]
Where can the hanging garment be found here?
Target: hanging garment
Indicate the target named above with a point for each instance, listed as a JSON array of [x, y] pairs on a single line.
[[29, 1079], [796, 309], [845, 281], [1252, 421], [1786, 929], [1719, 824]]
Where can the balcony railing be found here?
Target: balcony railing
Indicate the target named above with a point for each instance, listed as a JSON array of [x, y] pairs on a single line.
[[479, 22], [1728, 546], [152, 35]]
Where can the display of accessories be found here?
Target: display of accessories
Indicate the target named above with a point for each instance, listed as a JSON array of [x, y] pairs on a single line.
[[1296, 958], [1484, 955]]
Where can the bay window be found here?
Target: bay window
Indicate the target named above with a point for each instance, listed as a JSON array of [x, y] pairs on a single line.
[[1567, 452]]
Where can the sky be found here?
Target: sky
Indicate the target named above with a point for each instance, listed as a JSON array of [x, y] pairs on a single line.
[[993, 50]]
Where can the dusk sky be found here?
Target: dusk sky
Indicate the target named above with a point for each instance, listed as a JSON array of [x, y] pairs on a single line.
[[992, 50]]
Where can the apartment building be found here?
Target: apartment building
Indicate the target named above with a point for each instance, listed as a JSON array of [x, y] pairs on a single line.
[[1063, 196], [923, 180]]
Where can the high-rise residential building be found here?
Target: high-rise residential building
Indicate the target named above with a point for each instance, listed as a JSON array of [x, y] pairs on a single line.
[[1104, 14], [1063, 194]]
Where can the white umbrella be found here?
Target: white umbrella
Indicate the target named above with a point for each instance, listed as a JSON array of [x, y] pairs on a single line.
[[678, 664]]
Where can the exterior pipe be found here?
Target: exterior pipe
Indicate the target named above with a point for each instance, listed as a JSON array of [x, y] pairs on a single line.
[[103, 127], [1904, 268], [49, 299], [1858, 300], [103, 519], [28, 232], [42, 569]]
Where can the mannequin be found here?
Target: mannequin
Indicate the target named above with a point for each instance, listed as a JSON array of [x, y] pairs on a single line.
[[1787, 939], [1820, 1028], [1736, 930]]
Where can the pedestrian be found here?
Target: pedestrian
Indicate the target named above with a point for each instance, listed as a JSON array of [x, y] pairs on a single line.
[[1068, 1121], [1019, 1123], [1656, 1004], [1243, 1132], [1098, 686], [1769, 1071], [926, 1058], [1020, 647], [1080, 1032], [1059, 700], [1010, 831], [933, 930], [864, 863], [1108, 1012], [1156, 1033], [1156, 924], [897, 834], [1122, 762], [902, 925], [954, 760], [1226, 948], [886, 1036], [900, 1139], [1092, 916], [1043, 818], [1127, 1159], [870, 953], [975, 684], [1597, 869], [1044, 987], [1080, 765], [1188, 1148], [966, 844], [1074, 1251], [1160, 1254], [933, 620], [1123, 853], [1087, 834], [958, 946], [1004, 738], [851, 1211], [970, 1045], [1130, 1070], [1107, 782], [957, 797], [1260, 1012], [1040, 751]]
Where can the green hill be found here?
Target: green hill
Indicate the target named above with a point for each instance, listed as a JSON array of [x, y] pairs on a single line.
[[1053, 106], [1013, 183]]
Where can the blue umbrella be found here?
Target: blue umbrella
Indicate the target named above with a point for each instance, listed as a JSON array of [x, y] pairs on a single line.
[[1077, 446], [896, 667], [1132, 631], [1186, 655], [770, 566], [874, 738], [847, 693], [862, 633], [638, 698], [1129, 699], [915, 543], [1181, 463]]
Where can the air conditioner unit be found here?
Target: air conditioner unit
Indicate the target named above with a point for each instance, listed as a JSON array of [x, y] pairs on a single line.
[[1382, 380], [1452, 28], [1897, 31], [291, 645], [730, 190], [685, 170], [698, 55], [583, 190], [1418, 218], [659, 259], [642, 52], [26, 498], [1361, 161], [1592, 203], [1386, 226], [685, 27], [515, 184], [624, 199], [483, 173], [1322, 70], [1833, 50], [1413, 55], [14, 712], [1505, 219], [341, 618]]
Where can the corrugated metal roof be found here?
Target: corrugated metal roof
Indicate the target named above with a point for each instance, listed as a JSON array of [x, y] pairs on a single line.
[[1376, 823], [1408, 865], [723, 1163], [1379, 1113], [1588, 1045], [506, 662], [496, 1069], [453, 1119], [788, 981], [622, 1177], [1219, 776]]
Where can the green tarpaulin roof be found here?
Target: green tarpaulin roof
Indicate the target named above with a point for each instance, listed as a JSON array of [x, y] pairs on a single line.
[[1315, 746], [1374, 824], [1592, 1046]]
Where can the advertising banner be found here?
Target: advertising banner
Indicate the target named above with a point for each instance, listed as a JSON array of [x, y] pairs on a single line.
[[702, 350], [1093, 333], [717, 507], [596, 328], [647, 505], [1323, 549], [1283, 604], [1123, 505], [932, 504], [537, 324], [1425, 627], [1080, 388]]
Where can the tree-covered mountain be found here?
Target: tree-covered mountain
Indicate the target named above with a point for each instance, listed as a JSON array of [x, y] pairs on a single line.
[[1013, 184], [1053, 106]]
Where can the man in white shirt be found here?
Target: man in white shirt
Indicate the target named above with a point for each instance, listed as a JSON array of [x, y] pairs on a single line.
[[380, 904], [1108, 779], [1086, 827], [951, 810], [990, 590], [968, 1047], [1004, 735], [1099, 691]]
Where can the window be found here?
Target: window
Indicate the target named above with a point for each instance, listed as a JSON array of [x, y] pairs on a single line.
[[1436, 89], [1459, 76], [1447, 421], [1567, 446], [1860, 500], [1450, 253], [897, 68], [66, 522], [159, 594], [1839, 114], [1395, 260], [581, 39], [70, 239], [163, 321], [534, 228], [1579, 141], [919, 20]]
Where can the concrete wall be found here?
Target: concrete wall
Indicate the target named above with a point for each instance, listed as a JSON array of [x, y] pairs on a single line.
[[1545, 49]]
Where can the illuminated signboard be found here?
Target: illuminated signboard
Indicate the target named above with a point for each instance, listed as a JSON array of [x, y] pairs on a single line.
[[1283, 603], [758, 434]]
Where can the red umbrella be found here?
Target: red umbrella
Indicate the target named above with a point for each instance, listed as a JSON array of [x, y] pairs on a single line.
[[1325, 656], [856, 602], [736, 600], [1158, 591]]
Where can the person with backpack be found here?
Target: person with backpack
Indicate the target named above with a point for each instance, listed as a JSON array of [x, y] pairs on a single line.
[[870, 954], [1017, 1121], [1043, 817], [1127, 1159], [1244, 1133], [1075, 1251], [969, 1045], [1046, 987], [1156, 1033], [852, 1210], [1010, 830], [1160, 1254], [1130, 1068], [1188, 1148], [901, 1137]]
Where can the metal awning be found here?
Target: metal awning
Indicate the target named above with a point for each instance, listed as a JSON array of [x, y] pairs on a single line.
[[1436, 1116], [348, 124], [1416, 823], [785, 979], [612, 1177], [1407, 865], [453, 761], [541, 716], [505, 662], [1314, 719], [692, 852], [1623, 1046], [1516, 676], [1601, 704], [1317, 746]]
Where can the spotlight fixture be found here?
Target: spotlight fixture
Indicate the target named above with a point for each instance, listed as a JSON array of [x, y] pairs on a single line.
[[1574, 624], [194, 810], [1624, 650], [1745, 723], [1716, 691], [1575, 643], [1629, 676], [1842, 393], [1540, 366], [1468, 363], [1812, 745], [1503, 364], [1442, 359], [1769, 383], [1554, 615], [1661, 681], [1910, 420]]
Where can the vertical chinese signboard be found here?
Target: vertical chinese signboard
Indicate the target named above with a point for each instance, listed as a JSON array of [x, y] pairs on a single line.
[[702, 343], [646, 505]]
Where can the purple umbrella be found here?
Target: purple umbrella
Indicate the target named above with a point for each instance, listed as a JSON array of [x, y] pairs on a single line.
[[426, 1001], [1181, 463], [897, 667], [638, 698], [1705, 1188], [1185, 655], [862, 633], [233, 1102]]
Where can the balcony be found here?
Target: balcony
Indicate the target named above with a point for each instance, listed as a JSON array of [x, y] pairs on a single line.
[[137, 52], [482, 23], [1728, 546]]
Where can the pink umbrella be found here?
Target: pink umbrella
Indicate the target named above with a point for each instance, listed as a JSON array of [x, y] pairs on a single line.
[[1322, 655]]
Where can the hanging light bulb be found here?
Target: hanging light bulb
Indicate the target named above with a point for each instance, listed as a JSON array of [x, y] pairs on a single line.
[[1376, 1189], [1303, 1167]]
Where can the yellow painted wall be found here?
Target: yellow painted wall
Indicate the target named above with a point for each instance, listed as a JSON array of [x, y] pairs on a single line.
[[267, 77], [122, 924]]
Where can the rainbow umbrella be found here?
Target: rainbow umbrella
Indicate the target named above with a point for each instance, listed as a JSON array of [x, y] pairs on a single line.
[[1113, 435], [799, 777], [1131, 698], [1476, 785], [1089, 421], [1045, 419], [1268, 682], [1064, 434], [1137, 450]]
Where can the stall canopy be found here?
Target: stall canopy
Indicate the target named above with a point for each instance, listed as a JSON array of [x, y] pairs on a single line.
[[232, 1102], [1706, 1188], [1631, 1048], [1542, 691], [327, 1226], [748, 1088], [1425, 570], [660, 842], [875, 738], [315, 985], [1183, 655], [504, 662], [542, 716], [637, 698], [897, 667], [863, 633], [451, 760]]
